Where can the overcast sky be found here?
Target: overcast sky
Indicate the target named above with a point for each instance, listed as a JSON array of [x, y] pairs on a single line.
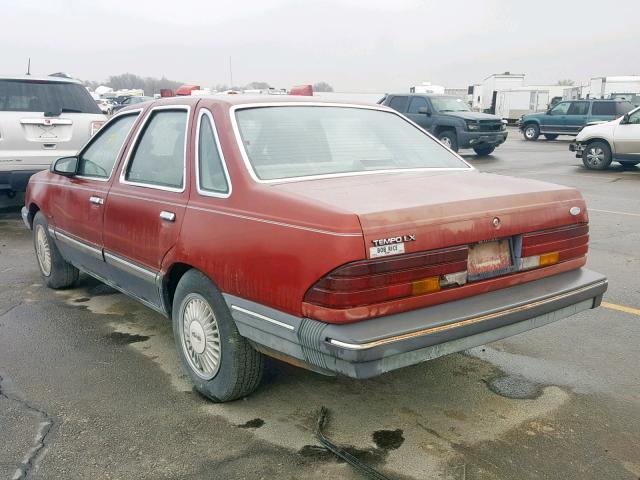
[[367, 46]]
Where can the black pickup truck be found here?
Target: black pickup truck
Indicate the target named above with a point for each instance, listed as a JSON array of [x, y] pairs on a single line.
[[450, 120]]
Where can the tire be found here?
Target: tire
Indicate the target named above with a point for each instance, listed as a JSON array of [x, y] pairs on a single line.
[[202, 324], [55, 270], [627, 164], [531, 132], [482, 151], [597, 156], [550, 136], [449, 139]]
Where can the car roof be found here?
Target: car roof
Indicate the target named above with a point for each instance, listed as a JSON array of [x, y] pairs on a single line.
[[228, 101], [43, 78]]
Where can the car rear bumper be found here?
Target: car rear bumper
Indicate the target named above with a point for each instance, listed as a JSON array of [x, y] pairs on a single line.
[[16, 180], [481, 139], [578, 148], [372, 347]]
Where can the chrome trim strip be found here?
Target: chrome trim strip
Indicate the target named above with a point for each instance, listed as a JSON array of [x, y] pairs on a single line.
[[210, 193], [146, 199], [134, 144], [273, 222], [97, 135], [262, 317], [247, 162], [65, 238], [462, 323], [132, 268]]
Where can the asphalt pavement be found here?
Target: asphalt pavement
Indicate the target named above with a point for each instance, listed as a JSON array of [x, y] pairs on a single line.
[[91, 386]]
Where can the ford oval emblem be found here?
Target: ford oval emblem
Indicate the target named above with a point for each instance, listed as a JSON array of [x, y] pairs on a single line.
[[496, 222], [575, 211]]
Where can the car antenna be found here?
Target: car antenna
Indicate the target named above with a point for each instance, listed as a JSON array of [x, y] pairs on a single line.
[[29, 66]]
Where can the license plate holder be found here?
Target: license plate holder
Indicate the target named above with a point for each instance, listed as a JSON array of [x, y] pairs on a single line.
[[489, 259]]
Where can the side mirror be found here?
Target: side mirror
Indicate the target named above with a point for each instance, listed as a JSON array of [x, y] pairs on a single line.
[[65, 166], [425, 110]]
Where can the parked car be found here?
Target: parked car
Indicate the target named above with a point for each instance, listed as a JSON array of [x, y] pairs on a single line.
[[41, 119], [451, 121], [569, 117], [342, 238], [106, 105], [125, 102], [615, 141]]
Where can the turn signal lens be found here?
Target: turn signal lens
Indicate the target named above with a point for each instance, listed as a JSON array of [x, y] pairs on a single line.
[[549, 258], [428, 285]]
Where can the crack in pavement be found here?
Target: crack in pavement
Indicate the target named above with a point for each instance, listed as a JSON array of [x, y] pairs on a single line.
[[37, 451]]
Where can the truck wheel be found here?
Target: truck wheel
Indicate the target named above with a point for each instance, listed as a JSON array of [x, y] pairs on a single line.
[[531, 132], [449, 139], [597, 156], [222, 364], [482, 151], [550, 136], [56, 271]]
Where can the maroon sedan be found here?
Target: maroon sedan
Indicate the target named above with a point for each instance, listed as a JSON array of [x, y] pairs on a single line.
[[338, 237]]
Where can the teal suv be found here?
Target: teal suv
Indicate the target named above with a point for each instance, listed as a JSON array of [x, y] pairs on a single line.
[[569, 117]]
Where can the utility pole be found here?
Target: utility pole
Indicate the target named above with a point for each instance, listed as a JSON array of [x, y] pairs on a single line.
[[230, 74], [29, 66]]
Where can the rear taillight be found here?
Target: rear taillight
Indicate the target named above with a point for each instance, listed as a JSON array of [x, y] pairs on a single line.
[[548, 247], [95, 126], [374, 281]]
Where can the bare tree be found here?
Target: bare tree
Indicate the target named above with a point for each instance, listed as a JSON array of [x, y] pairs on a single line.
[[322, 87], [566, 82], [150, 85]]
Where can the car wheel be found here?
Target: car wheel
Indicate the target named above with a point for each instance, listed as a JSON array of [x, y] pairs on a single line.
[[628, 164], [449, 139], [597, 156], [482, 151], [56, 271], [550, 136], [531, 132], [222, 364]]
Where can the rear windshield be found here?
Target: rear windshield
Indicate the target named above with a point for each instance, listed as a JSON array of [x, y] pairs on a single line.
[[43, 96], [299, 141]]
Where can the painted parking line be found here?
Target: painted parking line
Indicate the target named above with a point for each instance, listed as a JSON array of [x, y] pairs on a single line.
[[612, 211], [621, 308]]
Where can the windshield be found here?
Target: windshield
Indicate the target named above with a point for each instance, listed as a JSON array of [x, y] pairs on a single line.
[[299, 141], [449, 104], [43, 96]]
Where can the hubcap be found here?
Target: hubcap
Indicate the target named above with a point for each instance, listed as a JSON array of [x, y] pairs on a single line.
[[530, 132], [595, 156], [200, 336], [446, 141], [43, 252]]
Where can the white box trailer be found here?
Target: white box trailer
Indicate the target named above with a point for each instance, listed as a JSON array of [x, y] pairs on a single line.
[[604, 87], [496, 83], [512, 104]]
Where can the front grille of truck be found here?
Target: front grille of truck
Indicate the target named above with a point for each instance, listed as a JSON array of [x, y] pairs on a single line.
[[490, 126]]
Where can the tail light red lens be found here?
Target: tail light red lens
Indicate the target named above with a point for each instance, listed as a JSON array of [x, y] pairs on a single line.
[[568, 242], [374, 281]]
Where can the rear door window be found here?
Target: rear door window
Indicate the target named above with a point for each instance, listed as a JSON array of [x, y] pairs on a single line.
[[399, 103], [578, 108], [44, 96], [603, 108], [158, 158], [100, 156]]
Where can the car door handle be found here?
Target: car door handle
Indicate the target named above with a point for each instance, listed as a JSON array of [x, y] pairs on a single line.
[[168, 216], [96, 200]]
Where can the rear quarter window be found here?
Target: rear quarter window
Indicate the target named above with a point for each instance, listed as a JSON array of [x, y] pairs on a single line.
[[603, 108], [624, 107], [44, 96], [399, 103]]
